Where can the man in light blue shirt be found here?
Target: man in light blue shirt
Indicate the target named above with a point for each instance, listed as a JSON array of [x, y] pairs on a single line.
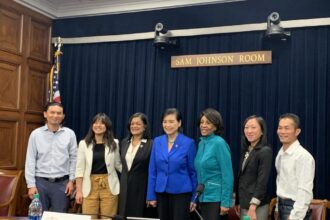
[[51, 160]]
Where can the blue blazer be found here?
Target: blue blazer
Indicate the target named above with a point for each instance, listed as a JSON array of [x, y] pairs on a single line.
[[172, 172]]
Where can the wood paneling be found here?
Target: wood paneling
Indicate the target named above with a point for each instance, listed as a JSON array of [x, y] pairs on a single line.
[[40, 40], [24, 66], [36, 94], [9, 85], [11, 30], [8, 140], [29, 127]]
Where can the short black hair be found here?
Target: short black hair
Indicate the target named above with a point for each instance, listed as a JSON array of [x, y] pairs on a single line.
[[173, 111], [215, 118], [49, 104], [295, 118]]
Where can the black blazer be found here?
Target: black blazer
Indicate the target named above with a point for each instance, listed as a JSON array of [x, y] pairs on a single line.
[[133, 183], [253, 178]]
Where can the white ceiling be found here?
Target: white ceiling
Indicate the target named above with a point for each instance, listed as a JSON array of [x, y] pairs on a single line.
[[77, 8]]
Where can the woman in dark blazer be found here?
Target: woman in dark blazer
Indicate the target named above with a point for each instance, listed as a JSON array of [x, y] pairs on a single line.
[[255, 168], [135, 154], [172, 177]]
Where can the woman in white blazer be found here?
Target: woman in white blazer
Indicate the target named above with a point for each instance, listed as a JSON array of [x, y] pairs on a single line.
[[96, 177]]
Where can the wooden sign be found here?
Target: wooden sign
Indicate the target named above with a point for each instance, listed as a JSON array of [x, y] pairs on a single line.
[[222, 59]]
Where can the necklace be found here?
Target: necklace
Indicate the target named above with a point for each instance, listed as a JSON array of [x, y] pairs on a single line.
[[135, 142], [171, 140]]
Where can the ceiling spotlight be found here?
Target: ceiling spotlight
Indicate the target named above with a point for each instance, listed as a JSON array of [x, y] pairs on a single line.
[[274, 29], [162, 39]]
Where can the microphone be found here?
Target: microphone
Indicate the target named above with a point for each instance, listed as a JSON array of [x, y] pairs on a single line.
[[199, 191], [199, 215]]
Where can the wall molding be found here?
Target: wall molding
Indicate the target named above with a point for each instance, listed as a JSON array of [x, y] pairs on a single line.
[[196, 31], [77, 8]]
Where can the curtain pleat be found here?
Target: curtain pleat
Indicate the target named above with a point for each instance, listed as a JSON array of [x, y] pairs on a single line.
[[126, 77]]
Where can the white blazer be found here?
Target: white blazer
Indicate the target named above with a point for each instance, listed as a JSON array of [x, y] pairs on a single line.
[[84, 167]]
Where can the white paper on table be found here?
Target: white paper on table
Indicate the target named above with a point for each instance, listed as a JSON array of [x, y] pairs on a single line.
[[63, 216]]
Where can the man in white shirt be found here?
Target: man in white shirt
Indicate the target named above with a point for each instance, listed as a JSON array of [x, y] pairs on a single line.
[[295, 171]]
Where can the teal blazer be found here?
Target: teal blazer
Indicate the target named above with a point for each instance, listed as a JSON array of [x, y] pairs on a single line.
[[214, 170]]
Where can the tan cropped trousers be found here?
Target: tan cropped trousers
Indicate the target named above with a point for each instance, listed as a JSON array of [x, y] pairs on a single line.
[[100, 203]]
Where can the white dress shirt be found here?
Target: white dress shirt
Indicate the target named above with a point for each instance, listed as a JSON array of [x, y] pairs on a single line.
[[295, 174]]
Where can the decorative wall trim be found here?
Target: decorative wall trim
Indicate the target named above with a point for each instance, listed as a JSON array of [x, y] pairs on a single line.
[[78, 8], [196, 31]]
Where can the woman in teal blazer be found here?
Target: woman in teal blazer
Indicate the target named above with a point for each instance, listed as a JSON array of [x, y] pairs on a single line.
[[172, 177], [214, 167]]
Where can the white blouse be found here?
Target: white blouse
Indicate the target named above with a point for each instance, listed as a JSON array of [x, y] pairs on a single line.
[[130, 154]]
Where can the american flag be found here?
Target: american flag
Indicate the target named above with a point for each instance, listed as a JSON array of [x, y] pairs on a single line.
[[54, 76]]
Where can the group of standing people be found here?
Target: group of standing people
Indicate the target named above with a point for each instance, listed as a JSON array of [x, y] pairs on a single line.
[[169, 172]]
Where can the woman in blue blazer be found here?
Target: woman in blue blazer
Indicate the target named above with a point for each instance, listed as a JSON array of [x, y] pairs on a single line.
[[214, 167], [172, 177]]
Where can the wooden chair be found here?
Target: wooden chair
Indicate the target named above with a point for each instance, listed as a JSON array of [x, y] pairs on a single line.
[[319, 209], [9, 180], [271, 209], [233, 213]]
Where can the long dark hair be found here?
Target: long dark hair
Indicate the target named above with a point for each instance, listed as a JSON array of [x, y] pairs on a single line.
[[263, 139], [215, 118], [144, 119], [108, 137]]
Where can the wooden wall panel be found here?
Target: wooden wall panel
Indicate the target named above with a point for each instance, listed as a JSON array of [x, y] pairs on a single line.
[[40, 40], [11, 23], [36, 91], [8, 140], [9, 85], [25, 38], [30, 126]]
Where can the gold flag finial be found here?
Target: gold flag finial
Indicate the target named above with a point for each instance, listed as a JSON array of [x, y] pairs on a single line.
[[58, 43]]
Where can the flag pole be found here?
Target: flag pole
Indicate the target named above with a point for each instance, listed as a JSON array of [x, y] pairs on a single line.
[[55, 68], [58, 43]]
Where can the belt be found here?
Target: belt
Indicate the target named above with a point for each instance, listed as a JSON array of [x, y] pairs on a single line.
[[54, 180], [288, 202]]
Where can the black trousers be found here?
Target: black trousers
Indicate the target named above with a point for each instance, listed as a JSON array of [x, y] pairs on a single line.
[[211, 211], [285, 207], [173, 206]]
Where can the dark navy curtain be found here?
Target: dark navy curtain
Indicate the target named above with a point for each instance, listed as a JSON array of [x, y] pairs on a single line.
[[126, 77]]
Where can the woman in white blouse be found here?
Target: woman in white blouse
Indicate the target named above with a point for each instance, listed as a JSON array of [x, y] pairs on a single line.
[[135, 154]]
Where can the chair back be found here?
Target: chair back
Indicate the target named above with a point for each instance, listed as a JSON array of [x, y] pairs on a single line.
[[233, 213], [9, 180], [318, 207]]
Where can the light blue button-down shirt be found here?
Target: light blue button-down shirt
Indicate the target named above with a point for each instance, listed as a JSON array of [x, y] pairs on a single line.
[[50, 154]]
